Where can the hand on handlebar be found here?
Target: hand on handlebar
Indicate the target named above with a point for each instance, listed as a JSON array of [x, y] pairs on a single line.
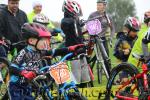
[[28, 74], [75, 47]]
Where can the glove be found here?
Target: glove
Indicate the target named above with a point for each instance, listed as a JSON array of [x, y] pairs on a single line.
[[75, 47], [28, 74]]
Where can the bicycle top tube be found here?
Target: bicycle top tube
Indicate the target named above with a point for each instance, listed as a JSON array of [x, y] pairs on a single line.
[[62, 60]]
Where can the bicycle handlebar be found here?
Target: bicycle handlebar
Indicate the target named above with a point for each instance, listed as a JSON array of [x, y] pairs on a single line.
[[62, 60]]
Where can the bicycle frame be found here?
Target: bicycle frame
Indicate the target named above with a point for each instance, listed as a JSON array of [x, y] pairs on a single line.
[[65, 86], [100, 59], [140, 75]]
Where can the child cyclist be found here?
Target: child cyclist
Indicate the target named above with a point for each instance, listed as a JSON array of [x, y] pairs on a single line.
[[125, 42], [38, 40]]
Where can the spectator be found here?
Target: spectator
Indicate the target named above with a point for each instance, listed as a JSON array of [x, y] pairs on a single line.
[[37, 11], [105, 20], [11, 20]]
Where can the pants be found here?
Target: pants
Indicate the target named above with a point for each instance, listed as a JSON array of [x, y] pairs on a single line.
[[19, 92]]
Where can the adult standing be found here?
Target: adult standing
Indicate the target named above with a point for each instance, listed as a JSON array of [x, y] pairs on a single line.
[[37, 13], [11, 20], [105, 20], [37, 9]]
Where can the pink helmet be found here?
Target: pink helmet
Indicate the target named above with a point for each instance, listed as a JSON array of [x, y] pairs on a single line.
[[132, 23], [34, 30], [72, 8]]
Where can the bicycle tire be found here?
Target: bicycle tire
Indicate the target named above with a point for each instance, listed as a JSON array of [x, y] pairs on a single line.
[[131, 69]]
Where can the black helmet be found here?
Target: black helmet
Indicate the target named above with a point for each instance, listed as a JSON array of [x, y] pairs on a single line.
[[102, 1], [132, 24], [34, 30]]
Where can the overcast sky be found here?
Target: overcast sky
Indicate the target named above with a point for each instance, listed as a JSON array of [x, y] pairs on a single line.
[[53, 8]]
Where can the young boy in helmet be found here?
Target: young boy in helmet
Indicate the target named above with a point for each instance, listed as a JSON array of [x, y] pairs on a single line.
[[72, 29], [37, 37], [125, 42], [70, 23], [44, 20]]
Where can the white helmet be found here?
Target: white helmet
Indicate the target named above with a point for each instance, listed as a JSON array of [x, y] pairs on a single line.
[[41, 18], [72, 7]]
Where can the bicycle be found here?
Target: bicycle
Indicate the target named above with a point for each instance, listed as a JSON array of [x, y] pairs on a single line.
[[135, 87], [4, 71], [95, 44], [61, 74], [4, 63]]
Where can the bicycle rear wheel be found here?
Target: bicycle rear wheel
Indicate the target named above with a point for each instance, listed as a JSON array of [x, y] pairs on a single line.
[[130, 90]]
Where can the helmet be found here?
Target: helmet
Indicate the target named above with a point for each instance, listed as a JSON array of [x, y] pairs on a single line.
[[72, 8], [41, 18], [102, 1], [147, 17], [34, 30], [132, 24]]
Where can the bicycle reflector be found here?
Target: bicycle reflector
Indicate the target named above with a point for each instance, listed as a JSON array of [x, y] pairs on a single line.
[[94, 27]]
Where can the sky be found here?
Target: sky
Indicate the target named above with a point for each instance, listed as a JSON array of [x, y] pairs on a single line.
[[53, 8]]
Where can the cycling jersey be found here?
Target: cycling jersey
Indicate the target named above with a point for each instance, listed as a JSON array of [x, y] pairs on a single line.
[[72, 30]]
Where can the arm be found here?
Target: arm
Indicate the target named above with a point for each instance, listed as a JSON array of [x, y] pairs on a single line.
[[63, 51], [17, 62], [2, 24], [111, 25], [145, 42]]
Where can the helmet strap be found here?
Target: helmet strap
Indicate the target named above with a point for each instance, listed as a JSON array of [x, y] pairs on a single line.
[[38, 39]]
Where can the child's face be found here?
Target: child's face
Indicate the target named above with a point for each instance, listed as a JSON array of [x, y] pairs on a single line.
[[44, 44], [133, 34]]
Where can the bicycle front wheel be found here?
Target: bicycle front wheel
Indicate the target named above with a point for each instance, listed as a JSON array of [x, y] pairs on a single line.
[[117, 82]]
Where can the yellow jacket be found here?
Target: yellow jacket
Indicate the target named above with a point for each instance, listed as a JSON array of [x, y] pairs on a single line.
[[50, 25], [137, 48]]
